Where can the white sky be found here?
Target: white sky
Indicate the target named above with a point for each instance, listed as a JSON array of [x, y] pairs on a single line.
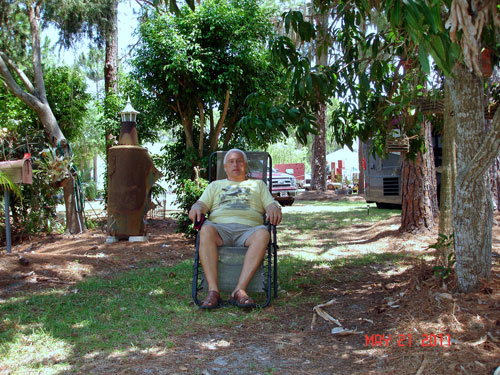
[[127, 23]]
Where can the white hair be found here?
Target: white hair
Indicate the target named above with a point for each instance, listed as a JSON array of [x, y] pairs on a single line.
[[236, 150]]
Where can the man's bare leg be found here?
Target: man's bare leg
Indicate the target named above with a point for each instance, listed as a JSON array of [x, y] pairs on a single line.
[[209, 240], [257, 245]]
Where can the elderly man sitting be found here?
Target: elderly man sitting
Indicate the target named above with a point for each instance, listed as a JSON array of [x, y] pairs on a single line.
[[237, 206]]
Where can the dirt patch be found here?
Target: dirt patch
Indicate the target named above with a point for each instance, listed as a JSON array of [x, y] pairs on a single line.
[[406, 322], [63, 260]]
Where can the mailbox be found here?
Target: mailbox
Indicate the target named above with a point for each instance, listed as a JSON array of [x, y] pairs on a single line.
[[18, 171]]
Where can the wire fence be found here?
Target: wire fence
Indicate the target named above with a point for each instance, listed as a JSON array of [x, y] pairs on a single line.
[[164, 207]]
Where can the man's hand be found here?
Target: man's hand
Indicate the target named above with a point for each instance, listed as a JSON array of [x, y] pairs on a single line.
[[273, 213], [196, 211]]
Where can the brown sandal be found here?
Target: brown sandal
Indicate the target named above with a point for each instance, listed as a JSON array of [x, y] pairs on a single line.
[[241, 299], [211, 301]]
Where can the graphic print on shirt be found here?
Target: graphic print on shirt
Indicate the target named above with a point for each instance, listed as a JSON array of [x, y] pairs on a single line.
[[235, 197]]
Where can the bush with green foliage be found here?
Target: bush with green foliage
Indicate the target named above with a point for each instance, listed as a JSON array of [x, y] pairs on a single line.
[[188, 192], [445, 244], [90, 189], [35, 212]]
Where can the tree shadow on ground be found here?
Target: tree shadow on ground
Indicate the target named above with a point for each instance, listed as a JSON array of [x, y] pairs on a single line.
[[138, 318], [144, 322]]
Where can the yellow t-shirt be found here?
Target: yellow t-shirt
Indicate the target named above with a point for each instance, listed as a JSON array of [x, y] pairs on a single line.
[[237, 202]]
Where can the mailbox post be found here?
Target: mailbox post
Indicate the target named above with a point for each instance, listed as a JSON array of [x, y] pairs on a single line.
[[8, 237], [19, 172]]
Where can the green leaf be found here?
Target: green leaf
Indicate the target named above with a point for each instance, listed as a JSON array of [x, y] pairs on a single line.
[[375, 46], [423, 57], [364, 82], [414, 26], [308, 82], [396, 14], [7, 184], [287, 21], [429, 18]]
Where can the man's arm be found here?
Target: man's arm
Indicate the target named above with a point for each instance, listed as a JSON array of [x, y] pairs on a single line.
[[273, 213], [197, 209]]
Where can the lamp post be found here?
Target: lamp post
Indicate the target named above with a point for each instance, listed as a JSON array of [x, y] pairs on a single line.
[[129, 114], [131, 175], [128, 133]]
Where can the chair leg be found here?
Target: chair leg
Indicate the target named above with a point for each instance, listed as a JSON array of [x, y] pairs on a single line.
[[275, 256], [196, 272], [269, 278], [275, 281]]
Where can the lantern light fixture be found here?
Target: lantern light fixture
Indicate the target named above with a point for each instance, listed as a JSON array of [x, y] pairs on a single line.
[[129, 114]]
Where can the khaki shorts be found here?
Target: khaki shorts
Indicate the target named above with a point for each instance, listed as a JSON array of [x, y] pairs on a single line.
[[234, 234]]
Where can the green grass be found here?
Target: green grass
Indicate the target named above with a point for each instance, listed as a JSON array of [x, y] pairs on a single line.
[[137, 309], [291, 266], [314, 232], [335, 215], [52, 331], [333, 203]]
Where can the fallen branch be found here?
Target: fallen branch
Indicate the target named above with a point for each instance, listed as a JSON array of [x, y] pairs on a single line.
[[422, 366], [319, 310]]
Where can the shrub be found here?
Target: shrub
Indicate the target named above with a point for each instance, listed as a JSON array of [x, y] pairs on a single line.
[[35, 210], [90, 190], [187, 194]]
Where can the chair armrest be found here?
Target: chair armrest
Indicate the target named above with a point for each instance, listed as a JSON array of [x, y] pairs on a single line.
[[197, 224], [270, 227]]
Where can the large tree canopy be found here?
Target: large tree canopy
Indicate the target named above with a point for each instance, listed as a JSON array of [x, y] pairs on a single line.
[[21, 23], [378, 40], [203, 68]]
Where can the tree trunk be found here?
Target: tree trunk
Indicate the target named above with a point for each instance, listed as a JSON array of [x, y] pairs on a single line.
[[74, 213], [111, 68], [230, 127], [111, 60], [448, 175], [361, 182], [214, 135], [95, 171], [473, 212], [418, 188], [202, 127], [34, 96], [318, 157]]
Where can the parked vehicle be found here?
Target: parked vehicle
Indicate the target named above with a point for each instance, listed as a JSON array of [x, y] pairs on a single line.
[[295, 169], [331, 185], [383, 175], [306, 185], [284, 188]]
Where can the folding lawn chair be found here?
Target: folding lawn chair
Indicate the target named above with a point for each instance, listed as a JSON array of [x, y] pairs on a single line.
[[230, 261]]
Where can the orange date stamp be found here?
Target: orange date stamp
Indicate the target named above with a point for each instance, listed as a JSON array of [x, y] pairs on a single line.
[[408, 340]]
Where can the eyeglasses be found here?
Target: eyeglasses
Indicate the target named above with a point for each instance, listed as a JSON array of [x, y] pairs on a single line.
[[235, 161]]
